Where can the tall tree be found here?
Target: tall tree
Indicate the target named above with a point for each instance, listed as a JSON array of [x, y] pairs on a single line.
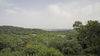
[[89, 36]]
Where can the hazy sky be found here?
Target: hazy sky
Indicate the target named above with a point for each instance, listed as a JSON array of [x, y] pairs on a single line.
[[50, 14]]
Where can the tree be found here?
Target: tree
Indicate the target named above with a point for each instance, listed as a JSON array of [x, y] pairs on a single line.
[[89, 36], [49, 52], [76, 25]]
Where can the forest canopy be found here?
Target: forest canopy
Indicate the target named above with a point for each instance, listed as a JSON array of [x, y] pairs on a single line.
[[83, 40]]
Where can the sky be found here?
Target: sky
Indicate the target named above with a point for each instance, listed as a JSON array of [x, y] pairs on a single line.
[[48, 14]]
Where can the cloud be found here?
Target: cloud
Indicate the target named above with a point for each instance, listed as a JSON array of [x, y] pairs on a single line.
[[5, 3], [53, 15], [67, 13], [10, 12], [58, 11], [54, 9]]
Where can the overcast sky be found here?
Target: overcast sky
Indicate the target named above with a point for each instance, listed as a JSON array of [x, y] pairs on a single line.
[[48, 14]]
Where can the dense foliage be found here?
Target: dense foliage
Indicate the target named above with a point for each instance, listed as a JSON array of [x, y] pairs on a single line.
[[89, 36], [83, 40]]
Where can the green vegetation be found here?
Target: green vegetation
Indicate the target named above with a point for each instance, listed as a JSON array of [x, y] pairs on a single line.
[[83, 40]]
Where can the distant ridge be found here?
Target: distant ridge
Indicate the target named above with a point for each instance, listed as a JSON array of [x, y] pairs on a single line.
[[18, 30], [57, 29]]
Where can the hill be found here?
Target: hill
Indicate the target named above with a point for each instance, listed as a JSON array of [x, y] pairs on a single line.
[[18, 30]]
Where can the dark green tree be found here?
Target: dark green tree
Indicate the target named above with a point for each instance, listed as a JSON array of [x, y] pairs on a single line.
[[89, 36]]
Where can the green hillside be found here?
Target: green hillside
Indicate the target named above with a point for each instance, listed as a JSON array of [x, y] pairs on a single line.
[[18, 30], [83, 40]]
